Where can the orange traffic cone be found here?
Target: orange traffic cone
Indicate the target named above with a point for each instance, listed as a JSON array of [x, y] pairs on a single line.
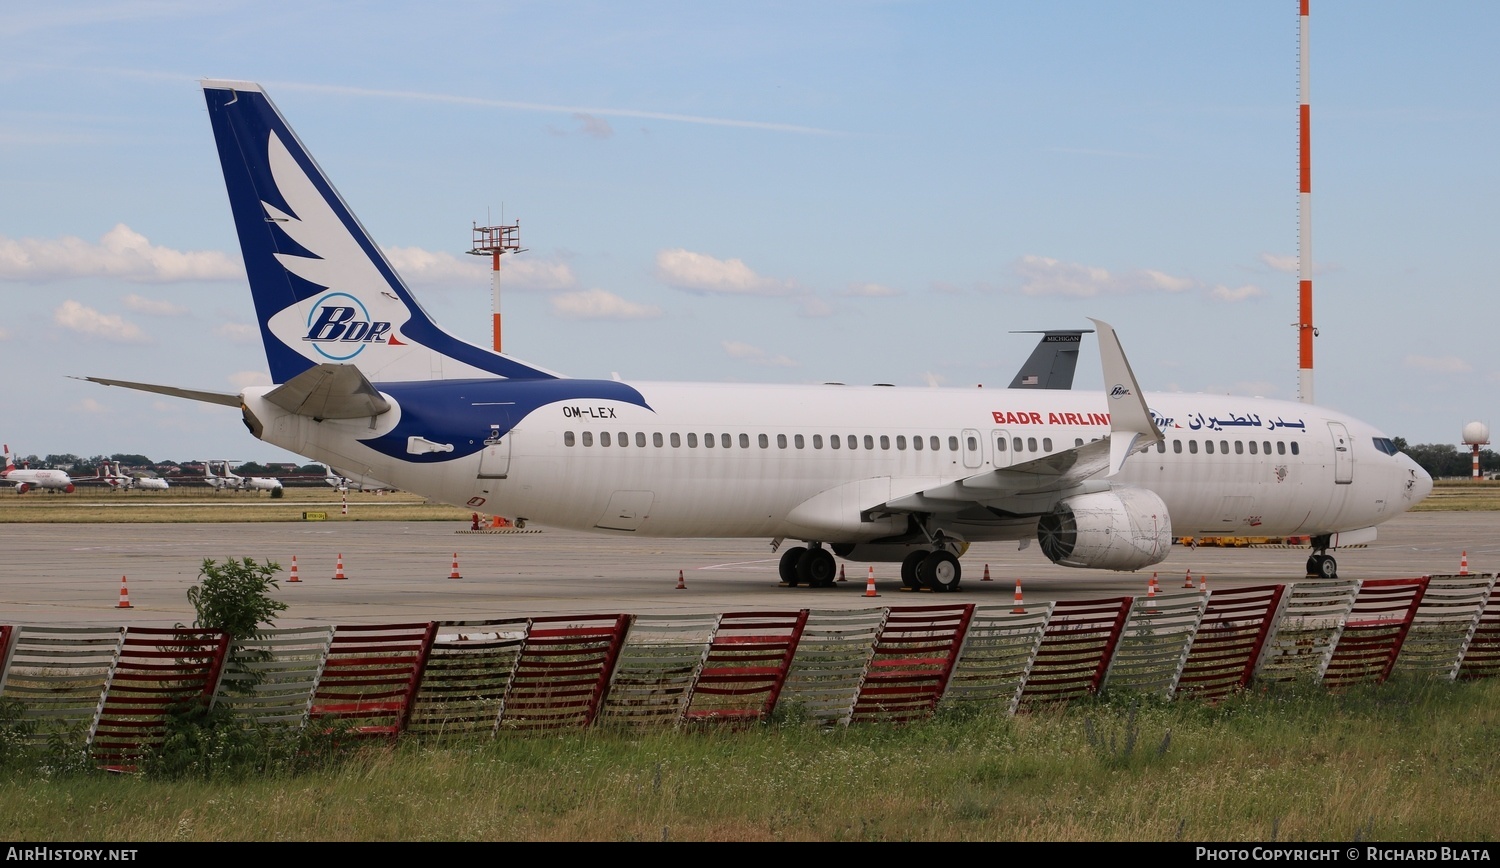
[[1019, 609], [986, 574], [681, 583], [1203, 583], [1463, 564], [1151, 590], [454, 574], [870, 584], [293, 576], [1187, 580], [841, 573], [124, 596], [339, 572]]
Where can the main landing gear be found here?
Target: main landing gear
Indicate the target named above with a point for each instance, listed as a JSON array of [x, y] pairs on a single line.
[[812, 566], [937, 571]]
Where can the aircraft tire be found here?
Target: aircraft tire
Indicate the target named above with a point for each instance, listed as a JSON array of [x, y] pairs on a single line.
[[909, 564], [1328, 568], [788, 566], [940, 571], [817, 568], [1313, 561]]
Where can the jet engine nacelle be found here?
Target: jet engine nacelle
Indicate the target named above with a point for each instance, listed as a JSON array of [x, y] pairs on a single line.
[[22, 487], [1119, 529], [68, 489]]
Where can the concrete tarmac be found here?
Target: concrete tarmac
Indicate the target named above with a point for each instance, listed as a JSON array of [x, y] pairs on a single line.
[[399, 572]]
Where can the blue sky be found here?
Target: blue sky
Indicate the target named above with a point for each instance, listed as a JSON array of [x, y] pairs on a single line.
[[788, 192]]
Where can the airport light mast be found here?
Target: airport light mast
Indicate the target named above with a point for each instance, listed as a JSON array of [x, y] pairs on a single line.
[[1305, 330], [493, 241]]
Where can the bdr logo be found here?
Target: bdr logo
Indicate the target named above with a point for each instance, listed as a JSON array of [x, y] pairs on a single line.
[[336, 321]]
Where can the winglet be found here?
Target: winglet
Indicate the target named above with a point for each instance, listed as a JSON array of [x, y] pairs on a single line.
[[1131, 427]]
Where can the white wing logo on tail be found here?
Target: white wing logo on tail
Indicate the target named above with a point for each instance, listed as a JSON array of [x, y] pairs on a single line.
[[354, 314]]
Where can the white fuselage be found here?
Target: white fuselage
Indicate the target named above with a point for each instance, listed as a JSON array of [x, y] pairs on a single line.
[[1228, 466]]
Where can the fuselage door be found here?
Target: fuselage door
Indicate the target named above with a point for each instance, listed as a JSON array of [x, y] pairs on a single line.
[[1343, 456], [494, 460], [1000, 440], [973, 448]]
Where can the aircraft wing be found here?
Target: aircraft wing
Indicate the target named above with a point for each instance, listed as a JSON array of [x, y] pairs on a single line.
[[1034, 486]]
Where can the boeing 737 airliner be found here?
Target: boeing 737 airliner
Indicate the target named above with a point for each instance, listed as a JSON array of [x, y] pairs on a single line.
[[366, 381]]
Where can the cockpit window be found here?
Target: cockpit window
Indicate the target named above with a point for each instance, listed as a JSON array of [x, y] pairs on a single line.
[[1386, 445]]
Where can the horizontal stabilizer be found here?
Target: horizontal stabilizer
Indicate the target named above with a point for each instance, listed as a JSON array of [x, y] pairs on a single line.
[[329, 391], [225, 398]]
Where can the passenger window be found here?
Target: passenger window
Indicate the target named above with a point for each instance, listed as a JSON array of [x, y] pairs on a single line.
[[952, 443], [853, 442], [603, 438], [745, 441], [724, 440], [835, 442], [588, 438], [624, 439], [1177, 447], [1016, 444], [900, 442], [1193, 447], [1239, 447], [916, 443], [1280, 447], [656, 439], [568, 439], [933, 442], [1208, 446], [817, 441], [869, 442], [692, 441], [1224, 446], [676, 440], [764, 441], [1294, 448], [999, 444], [797, 441], [708, 441], [640, 439], [1161, 446], [885, 443], [1030, 444], [780, 441], [973, 443], [1046, 444], [1252, 447]]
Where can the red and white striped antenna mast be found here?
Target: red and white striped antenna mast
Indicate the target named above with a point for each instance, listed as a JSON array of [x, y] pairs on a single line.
[[494, 241], [1305, 330]]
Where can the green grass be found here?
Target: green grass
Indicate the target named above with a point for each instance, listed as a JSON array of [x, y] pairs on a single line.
[[1411, 761]]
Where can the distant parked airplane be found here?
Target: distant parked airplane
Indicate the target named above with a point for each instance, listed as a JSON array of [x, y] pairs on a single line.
[[115, 477], [24, 478], [229, 480]]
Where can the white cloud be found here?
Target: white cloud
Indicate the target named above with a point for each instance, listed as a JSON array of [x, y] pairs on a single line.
[[426, 267], [121, 253], [89, 405], [698, 272], [755, 355], [600, 304], [86, 321], [593, 127], [245, 379], [1279, 262], [1439, 365], [870, 290], [1224, 293], [814, 306], [141, 304], [238, 332], [1041, 275], [538, 274]]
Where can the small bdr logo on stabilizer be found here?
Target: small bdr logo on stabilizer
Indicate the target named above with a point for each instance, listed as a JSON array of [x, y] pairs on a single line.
[[340, 329]]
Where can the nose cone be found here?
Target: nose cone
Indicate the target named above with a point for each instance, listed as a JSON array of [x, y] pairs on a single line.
[[1419, 481]]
